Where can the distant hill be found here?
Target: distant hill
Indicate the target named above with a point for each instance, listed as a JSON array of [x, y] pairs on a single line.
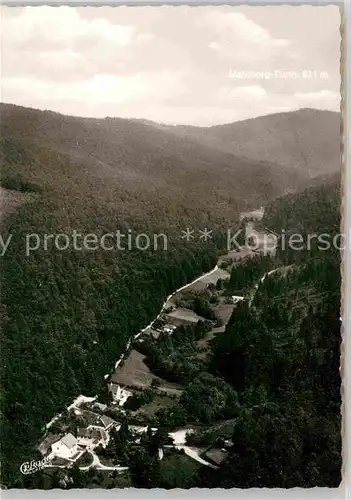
[[307, 140], [168, 170]]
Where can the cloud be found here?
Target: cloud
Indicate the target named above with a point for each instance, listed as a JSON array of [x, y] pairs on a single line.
[[63, 26], [168, 64], [59, 44], [239, 38], [241, 28]]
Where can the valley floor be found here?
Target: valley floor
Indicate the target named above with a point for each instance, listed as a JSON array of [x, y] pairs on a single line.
[[132, 377]]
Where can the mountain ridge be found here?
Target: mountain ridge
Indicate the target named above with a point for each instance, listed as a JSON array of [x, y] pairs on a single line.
[[141, 159], [305, 139]]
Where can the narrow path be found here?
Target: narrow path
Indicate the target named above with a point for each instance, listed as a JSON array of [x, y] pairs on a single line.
[[179, 438], [261, 280]]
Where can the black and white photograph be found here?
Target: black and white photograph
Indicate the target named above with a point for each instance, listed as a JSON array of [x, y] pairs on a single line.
[[171, 247]]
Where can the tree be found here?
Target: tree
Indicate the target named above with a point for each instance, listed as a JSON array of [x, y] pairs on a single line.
[[142, 468], [77, 477]]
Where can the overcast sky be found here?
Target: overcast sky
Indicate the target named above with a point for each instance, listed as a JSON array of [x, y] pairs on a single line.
[[171, 64]]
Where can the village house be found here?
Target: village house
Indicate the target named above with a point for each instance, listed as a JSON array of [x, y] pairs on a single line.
[[237, 298], [254, 215], [90, 437], [90, 418], [107, 422], [154, 334], [66, 447], [119, 395], [169, 329]]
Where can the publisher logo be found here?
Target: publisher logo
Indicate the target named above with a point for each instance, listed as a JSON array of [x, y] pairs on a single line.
[[33, 466]]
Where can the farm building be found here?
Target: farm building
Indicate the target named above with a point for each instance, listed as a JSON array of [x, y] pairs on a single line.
[[66, 447]]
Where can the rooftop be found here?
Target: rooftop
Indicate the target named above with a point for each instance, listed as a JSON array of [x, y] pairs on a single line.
[[94, 434], [69, 440], [106, 421], [90, 418]]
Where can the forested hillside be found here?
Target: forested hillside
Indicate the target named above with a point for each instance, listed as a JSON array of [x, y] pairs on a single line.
[[267, 400], [282, 356], [306, 141], [120, 160], [66, 315]]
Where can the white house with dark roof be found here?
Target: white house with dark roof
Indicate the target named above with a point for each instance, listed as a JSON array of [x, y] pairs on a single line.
[[66, 447], [119, 394]]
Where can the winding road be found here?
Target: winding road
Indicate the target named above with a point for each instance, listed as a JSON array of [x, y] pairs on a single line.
[[98, 465]]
